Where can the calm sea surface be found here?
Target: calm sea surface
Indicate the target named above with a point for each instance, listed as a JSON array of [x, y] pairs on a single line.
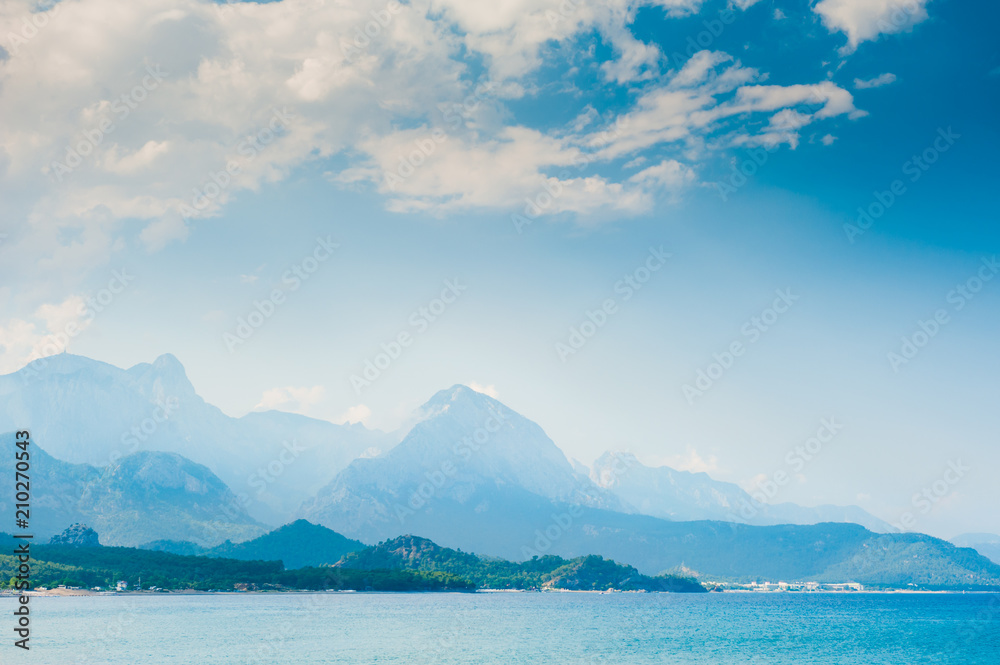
[[510, 628]]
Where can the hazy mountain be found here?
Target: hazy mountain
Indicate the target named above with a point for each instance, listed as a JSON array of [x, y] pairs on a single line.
[[85, 411], [469, 455], [682, 495], [511, 493], [152, 495], [987, 544], [145, 496]]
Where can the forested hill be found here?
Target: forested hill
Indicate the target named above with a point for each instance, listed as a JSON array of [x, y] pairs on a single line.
[[587, 573]]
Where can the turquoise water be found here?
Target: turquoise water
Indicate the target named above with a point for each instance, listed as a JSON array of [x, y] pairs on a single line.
[[705, 629]]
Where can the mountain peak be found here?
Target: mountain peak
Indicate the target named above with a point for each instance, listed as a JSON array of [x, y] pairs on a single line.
[[168, 362], [458, 393], [164, 377], [462, 402], [65, 363]]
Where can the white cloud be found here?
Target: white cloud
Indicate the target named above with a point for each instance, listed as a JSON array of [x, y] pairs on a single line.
[[182, 106], [161, 232], [668, 174], [291, 398], [877, 82], [431, 170], [356, 414], [53, 329], [711, 90], [486, 390], [866, 20], [135, 161]]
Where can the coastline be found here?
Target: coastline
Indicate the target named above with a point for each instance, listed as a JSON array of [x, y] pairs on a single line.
[[65, 593]]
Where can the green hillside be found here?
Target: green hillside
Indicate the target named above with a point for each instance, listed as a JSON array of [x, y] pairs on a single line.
[[588, 573], [89, 567], [297, 545]]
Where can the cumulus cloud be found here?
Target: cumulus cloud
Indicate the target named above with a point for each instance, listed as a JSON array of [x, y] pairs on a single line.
[[668, 174], [142, 129], [432, 169], [866, 20], [877, 82], [135, 123]]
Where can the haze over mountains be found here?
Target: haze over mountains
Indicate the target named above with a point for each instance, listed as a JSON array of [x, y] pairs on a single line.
[[987, 544], [138, 455], [85, 411], [146, 496], [682, 495]]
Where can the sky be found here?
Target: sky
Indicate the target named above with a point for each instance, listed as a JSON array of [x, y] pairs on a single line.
[[710, 233]]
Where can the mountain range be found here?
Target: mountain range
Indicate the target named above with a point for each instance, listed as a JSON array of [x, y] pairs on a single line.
[[88, 412], [139, 455], [145, 496], [682, 495]]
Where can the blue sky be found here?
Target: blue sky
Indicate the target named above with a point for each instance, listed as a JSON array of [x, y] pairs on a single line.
[[604, 105]]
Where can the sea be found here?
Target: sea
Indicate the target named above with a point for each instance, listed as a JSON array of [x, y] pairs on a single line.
[[468, 628]]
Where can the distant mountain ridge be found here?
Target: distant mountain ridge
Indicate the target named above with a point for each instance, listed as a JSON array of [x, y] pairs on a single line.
[[87, 411], [469, 452], [144, 496], [987, 544], [470, 474], [682, 495], [475, 474]]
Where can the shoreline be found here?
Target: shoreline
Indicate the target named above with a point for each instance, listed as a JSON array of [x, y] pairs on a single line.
[[66, 593]]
